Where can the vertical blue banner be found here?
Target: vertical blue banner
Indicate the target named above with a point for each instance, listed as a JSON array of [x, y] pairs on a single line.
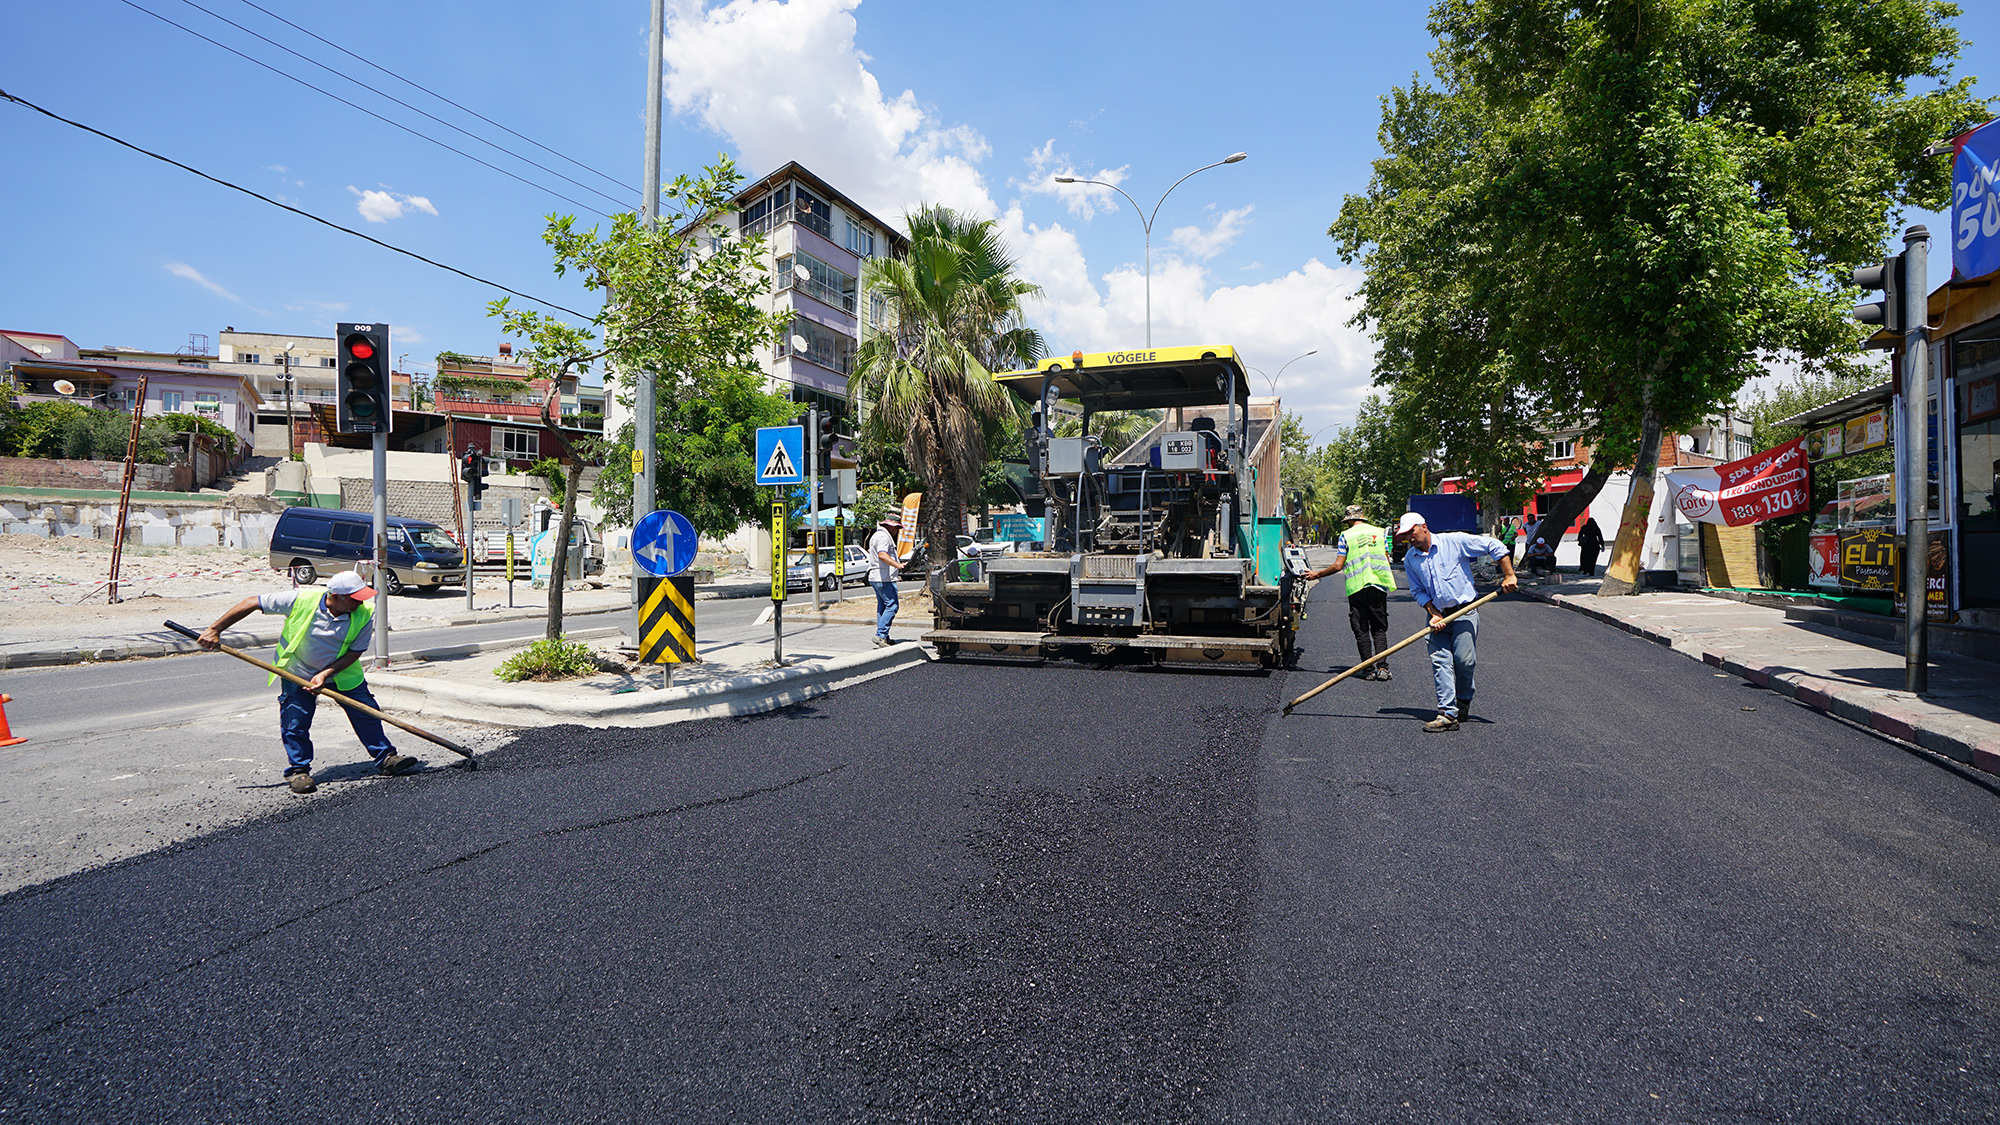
[[1975, 202]]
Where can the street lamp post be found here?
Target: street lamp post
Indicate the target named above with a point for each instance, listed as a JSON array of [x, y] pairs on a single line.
[[1271, 381], [1146, 221]]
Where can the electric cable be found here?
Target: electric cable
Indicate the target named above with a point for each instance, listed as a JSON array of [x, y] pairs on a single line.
[[363, 109], [406, 105], [292, 209], [433, 93]]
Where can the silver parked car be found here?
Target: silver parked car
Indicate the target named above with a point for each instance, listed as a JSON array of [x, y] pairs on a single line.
[[801, 571]]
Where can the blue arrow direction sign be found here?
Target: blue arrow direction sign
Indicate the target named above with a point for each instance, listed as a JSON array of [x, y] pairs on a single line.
[[663, 543], [781, 455]]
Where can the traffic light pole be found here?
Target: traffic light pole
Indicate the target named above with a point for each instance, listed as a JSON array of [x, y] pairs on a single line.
[[381, 490], [1916, 460], [812, 485]]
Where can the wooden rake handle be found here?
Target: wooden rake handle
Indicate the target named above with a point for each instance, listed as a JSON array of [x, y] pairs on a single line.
[[344, 701], [1386, 653]]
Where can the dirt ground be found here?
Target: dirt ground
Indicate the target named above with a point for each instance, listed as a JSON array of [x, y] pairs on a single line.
[[62, 586]]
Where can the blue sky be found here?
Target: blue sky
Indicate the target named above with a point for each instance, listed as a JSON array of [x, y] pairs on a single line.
[[895, 101]]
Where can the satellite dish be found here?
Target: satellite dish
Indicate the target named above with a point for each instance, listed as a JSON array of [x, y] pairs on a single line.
[[65, 387], [800, 344], [1686, 443]]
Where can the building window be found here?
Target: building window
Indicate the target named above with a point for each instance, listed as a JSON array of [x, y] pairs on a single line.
[[207, 402], [878, 309], [520, 444], [328, 361], [824, 346], [803, 271], [250, 357], [1562, 449], [859, 240], [812, 213], [170, 401]]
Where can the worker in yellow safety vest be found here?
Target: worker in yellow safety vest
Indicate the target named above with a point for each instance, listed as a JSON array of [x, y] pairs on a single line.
[[325, 635], [1363, 552]]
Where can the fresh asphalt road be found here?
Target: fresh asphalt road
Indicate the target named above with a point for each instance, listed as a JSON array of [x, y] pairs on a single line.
[[1629, 890]]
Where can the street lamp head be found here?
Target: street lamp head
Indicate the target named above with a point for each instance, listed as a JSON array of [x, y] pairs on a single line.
[[1313, 351], [1234, 157], [1065, 179]]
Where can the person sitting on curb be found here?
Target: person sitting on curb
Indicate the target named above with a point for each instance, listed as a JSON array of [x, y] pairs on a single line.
[[326, 633], [1541, 557]]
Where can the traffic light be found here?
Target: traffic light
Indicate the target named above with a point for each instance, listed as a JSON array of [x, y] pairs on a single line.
[[362, 379], [1887, 276], [829, 432], [472, 470]]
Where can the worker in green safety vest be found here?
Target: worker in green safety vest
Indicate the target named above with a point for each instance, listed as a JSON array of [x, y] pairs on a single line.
[[1363, 553], [325, 635]]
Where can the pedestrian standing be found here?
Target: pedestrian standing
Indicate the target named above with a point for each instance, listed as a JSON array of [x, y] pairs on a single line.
[[1510, 530], [325, 635], [885, 567], [1589, 542], [1363, 552], [1439, 569]]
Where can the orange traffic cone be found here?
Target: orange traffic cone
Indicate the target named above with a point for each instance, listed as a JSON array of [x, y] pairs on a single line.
[[7, 736]]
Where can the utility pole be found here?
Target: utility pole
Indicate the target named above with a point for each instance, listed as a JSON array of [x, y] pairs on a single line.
[[1916, 459], [645, 384], [812, 485]]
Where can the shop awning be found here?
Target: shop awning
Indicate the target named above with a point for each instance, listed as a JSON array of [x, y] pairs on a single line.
[[1860, 402]]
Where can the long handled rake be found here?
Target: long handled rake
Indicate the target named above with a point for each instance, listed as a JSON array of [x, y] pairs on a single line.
[[1386, 653]]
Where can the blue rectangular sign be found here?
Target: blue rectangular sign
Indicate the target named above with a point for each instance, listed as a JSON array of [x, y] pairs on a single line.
[[781, 455], [1017, 529]]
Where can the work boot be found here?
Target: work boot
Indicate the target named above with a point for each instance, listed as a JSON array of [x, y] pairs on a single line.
[[1443, 722], [301, 782], [396, 763], [883, 642], [1382, 674]]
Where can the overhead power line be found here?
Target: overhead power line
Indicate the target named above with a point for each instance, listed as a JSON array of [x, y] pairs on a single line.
[[363, 109], [433, 93], [289, 207], [615, 201]]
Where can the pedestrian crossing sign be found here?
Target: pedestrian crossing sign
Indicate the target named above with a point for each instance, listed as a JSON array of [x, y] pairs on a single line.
[[781, 455]]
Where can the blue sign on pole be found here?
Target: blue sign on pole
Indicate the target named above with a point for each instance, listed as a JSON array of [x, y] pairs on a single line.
[[781, 455], [1975, 202], [663, 543]]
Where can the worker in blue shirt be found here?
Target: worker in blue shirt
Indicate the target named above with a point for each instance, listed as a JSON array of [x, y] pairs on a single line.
[[1439, 569]]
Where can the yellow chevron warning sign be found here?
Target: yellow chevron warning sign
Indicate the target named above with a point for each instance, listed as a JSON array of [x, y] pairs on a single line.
[[666, 620]]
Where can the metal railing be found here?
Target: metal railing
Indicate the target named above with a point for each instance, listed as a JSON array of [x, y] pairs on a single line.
[[837, 298]]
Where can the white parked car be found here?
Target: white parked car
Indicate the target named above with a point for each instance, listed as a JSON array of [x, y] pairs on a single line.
[[982, 546], [799, 574]]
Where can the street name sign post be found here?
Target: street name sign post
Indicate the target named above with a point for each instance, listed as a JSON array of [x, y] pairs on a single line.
[[777, 577]]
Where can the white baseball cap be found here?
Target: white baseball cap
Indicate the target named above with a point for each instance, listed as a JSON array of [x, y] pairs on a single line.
[[351, 585], [1409, 520]]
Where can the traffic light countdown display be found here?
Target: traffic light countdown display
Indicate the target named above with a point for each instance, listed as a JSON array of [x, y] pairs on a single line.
[[362, 397]]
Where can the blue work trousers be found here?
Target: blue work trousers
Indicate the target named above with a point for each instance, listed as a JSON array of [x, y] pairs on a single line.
[[296, 707], [1452, 660], [887, 602]]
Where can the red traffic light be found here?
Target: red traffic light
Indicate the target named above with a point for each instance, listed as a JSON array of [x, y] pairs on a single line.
[[360, 347]]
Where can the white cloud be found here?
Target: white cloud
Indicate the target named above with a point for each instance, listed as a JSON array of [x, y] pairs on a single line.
[[381, 206], [786, 81], [182, 269], [1205, 244], [1085, 201]]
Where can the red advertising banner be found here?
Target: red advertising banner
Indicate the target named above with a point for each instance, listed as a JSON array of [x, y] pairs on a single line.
[[1764, 486]]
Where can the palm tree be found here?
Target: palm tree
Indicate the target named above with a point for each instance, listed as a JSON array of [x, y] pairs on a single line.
[[952, 317]]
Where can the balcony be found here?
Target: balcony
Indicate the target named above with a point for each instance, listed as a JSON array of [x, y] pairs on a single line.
[[822, 292], [812, 220], [476, 404]]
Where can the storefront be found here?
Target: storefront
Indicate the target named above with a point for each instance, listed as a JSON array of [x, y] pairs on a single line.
[[1857, 538]]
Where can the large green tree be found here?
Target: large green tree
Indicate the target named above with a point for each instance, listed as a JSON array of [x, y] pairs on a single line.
[[681, 301], [953, 317], [1613, 212]]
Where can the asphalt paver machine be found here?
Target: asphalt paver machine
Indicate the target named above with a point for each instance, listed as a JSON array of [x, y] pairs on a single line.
[[1157, 552]]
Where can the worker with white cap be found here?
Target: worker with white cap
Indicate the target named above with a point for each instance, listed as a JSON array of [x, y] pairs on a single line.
[[325, 635], [1439, 570]]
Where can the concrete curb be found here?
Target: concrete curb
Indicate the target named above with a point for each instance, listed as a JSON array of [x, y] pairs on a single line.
[[54, 657], [747, 694], [1837, 699]]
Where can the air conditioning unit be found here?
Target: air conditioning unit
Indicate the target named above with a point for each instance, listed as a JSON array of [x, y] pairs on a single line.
[[495, 467]]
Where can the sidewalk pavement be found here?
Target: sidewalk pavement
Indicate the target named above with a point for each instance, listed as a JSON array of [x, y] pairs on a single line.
[[1845, 674], [41, 643], [735, 676]]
